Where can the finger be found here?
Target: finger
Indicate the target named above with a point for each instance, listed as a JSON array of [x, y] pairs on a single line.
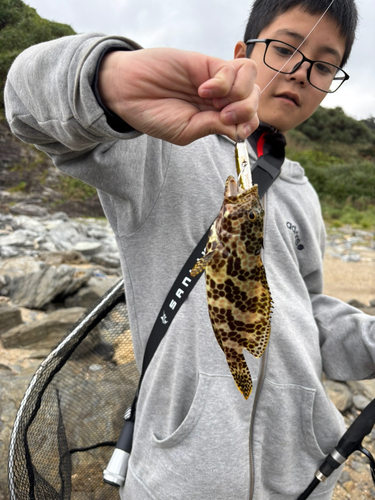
[[246, 129], [220, 85], [241, 111], [246, 73], [203, 124], [208, 122]]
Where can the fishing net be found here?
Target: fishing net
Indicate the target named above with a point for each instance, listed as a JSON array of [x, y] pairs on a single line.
[[72, 413]]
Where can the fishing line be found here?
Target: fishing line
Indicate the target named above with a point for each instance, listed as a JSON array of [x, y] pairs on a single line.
[[300, 45]]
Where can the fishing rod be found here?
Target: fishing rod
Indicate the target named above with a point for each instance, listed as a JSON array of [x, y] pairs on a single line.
[[351, 441]]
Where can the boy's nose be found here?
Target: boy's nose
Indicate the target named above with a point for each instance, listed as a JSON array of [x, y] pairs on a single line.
[[300, 74]]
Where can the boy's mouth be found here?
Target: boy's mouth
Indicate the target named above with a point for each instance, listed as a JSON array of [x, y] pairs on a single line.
[[290, 97]]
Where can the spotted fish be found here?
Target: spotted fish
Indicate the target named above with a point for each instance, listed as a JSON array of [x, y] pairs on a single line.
[[239, 299]]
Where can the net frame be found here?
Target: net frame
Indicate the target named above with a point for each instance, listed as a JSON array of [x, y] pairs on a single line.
[[24, 480]]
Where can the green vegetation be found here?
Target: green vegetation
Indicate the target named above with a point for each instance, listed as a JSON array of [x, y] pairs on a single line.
[[21, 27], [73, 189], [327, 125], [21, 186], [338, 155]]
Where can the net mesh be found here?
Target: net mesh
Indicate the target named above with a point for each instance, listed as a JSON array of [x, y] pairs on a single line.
[[72, 413]]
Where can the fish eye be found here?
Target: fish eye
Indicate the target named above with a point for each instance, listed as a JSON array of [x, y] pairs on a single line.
[[251, 216]]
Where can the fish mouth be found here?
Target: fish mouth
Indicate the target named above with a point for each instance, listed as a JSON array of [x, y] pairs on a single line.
[[291, 97], [233, 187]]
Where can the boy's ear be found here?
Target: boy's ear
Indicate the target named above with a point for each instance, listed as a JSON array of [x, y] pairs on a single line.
[[240, 50]]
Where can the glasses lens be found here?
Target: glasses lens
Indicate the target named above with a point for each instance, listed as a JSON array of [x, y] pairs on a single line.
[[326, 77], [282, 57]]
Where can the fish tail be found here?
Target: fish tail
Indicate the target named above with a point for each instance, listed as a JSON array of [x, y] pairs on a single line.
[[242, 377]]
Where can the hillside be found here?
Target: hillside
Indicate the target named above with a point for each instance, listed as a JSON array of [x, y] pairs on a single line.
[[338, 155], [21, 27]]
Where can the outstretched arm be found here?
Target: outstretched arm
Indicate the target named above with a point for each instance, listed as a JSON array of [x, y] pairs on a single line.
[[180, 96]]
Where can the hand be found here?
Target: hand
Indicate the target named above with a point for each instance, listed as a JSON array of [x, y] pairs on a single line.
[[180, 96]]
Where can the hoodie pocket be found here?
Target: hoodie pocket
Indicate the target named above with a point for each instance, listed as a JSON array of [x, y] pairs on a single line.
[[191, 419], [207, 453], [290, 452]]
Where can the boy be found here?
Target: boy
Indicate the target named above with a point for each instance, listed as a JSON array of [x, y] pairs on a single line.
[[195, 435]]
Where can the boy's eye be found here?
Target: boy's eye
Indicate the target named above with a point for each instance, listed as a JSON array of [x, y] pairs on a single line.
[[282, 50], [325, 69]]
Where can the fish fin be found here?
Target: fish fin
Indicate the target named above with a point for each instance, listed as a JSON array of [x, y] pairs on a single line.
[[239, 370], [202, 263], [218, 338], [258, 349]]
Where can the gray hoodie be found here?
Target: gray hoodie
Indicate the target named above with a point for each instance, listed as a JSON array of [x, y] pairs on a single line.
[[196, 438]]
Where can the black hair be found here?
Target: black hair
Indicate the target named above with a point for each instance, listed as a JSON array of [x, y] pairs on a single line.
[[344, 12]]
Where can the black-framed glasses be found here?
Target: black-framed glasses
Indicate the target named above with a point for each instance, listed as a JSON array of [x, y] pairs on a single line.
[[286, 59]]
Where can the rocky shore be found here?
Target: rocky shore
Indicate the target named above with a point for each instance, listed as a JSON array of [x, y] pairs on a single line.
[[53, 267]]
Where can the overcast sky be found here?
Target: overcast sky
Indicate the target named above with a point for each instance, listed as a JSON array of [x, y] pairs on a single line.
[[212, 27]]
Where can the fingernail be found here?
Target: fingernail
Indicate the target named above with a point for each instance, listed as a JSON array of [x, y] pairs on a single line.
[[230, 118], [206, 93], [247, 130]]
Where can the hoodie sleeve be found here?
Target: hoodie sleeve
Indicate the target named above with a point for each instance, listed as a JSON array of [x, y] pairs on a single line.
[[50, 102], [347, 335], [49, 99]]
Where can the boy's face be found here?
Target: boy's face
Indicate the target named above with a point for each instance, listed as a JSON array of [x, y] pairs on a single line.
[[290, 99]]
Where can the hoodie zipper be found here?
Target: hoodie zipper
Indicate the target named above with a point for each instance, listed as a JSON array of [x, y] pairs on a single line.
[[262, 374]]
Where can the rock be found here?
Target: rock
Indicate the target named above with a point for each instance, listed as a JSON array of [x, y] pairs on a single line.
[[21, 237], [27, 223], [88, 247], [44, 333], [340, 394], [10, 316], [67, 257], [30, 210], [349, 486], [360, 401], [356, 303], [4, 285], [358, 466], [345, 477], [59, 216], [19, 266], [6, 252], [365, 387], [351, 257], [89, 294], [36, 290], [106, 260], [81, 277]]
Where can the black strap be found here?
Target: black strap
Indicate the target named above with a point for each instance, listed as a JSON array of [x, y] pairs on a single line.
[[271, 145], [179, 292]]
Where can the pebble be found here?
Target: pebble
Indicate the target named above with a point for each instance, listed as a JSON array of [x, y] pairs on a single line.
[[88, 247], [351, 245], [345, 477], [349, 486], [360, 401], [340, 394]]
